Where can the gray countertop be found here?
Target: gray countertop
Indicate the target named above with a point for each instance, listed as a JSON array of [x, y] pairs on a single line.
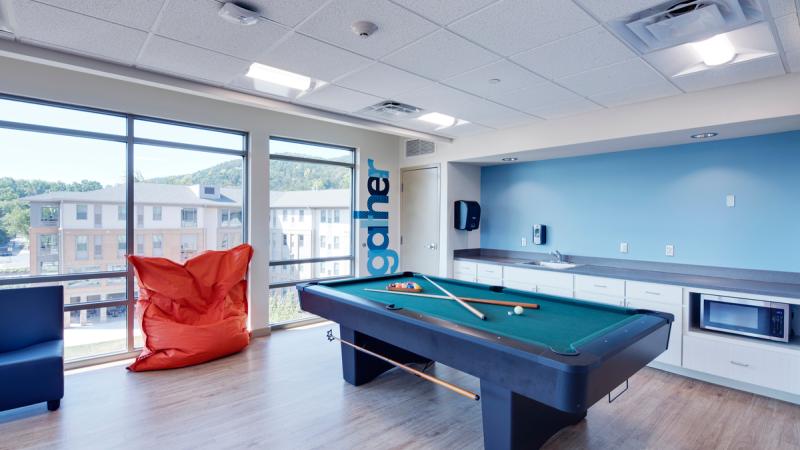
[[761, 287]]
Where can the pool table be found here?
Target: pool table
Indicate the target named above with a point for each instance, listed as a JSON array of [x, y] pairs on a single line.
[[539, 371]]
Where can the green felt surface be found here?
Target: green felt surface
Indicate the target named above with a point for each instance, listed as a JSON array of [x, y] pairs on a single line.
[[561, 324]]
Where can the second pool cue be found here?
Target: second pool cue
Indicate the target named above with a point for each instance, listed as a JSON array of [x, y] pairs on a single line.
[[466, 305], [466, 299]]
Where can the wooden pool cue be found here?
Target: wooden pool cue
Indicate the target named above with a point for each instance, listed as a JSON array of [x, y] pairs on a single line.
[[466, 305], [423, 375], [466, 299]]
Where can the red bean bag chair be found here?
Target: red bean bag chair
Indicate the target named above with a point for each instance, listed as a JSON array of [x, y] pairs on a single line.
[[194, 312]]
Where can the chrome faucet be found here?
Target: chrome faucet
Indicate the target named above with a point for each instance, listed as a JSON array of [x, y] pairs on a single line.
[[557, 256]]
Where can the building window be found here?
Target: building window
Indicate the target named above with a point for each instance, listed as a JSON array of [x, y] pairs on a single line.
[[98, 247], [236, 217], [81, 212], [122, 247], [336, 216], [323, 217], [336, 268], [285, 240], [100, 148], [188, 245], [336, 242], [300, 240], [98, 216], [224, 217], [322, 241], [158, 245], [140, 244], [302, 214], [285, 214], [156, 213], [224, 241], [49, 214], [189, 217]]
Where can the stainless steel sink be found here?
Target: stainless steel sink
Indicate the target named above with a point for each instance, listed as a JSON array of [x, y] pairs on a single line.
[[552, 264]]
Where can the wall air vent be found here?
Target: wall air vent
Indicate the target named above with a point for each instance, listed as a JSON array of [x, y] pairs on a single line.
[[391, 110], [678, 22], [416, 147]]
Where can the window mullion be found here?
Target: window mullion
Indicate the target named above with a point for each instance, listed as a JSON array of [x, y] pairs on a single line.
[[129, 231]]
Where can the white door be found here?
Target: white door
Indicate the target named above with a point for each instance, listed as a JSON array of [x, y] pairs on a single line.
[[419, 241]]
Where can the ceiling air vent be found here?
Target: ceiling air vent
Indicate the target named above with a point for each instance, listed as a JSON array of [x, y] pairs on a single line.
[[391, 110], [416, 147], [678, 22]]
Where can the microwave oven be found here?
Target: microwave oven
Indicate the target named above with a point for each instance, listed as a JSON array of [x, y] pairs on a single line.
[[754, 318]]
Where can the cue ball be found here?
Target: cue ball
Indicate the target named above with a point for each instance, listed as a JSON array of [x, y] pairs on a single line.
[[518, 310]]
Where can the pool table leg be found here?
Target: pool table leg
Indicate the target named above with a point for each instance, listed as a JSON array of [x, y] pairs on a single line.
[[513, 421], [359, 368]]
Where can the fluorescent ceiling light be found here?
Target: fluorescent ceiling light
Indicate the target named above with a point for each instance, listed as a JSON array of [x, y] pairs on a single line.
[[279, 77], [715, 50], [443, 120]]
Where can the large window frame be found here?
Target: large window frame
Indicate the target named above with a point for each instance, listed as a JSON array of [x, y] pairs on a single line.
[[130, 141], [351, 258]]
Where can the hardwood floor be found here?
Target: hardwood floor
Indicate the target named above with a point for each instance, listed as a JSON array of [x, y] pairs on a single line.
[[286, 392]]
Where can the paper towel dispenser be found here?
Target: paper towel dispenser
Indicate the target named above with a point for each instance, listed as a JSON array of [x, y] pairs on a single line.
[[467, 215]]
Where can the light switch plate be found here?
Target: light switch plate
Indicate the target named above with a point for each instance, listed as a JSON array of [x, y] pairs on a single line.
[[623, 247], [524, 242], [730, 200], [669, 250]]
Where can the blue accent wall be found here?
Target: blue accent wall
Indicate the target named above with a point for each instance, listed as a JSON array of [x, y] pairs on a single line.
[[653, 197]]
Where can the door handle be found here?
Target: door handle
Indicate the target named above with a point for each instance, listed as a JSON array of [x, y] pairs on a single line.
[[431, 246], [737, 363]]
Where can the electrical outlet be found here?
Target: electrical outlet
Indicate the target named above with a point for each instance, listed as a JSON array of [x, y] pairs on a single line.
[[669, 250], [524, 242], [730, 200], [623, 247]]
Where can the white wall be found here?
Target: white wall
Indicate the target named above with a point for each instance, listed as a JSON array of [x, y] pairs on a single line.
[[71, 86]]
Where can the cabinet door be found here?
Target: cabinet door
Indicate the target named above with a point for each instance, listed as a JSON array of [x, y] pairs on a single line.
[[465, 271], [606, 286], [673, 353], [558, 292]]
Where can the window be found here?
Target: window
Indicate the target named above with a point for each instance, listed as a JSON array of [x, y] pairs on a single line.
[[81, 212], [189, 217], [336, 242], [98, 216], [225, 216], [49, 214], [98, 247], [224, 241], [307, 176], [188, 246], [76, 162], [158, 249]]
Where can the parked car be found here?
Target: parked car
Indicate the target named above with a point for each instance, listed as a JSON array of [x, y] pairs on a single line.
[[6, 251]]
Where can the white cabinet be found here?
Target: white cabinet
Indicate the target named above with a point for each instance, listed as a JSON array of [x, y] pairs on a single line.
[[558, 292], [752, 363], [673, 353], [490, 274], [541, 281], [610, 291], [465, 271]]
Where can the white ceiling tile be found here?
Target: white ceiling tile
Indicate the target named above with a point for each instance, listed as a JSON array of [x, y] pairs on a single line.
[[615, 9], [511, 76], [165, 55], [382, 80], [781, 7], [613, 78], [467, 129], [537, 97], [396, 26], [513, 26], [286, 12], [76, 32], [753, 69], [793, 59], [444, 11], [636, 94], [789, 31], [570, 108], [339, 98], [596, 47], [139, 14], [196, 22], [440, 55], [310, 57]]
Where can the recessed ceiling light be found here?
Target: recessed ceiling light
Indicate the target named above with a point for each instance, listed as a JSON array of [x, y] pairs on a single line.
[[716, 50], [706, 135], [443, 120], [280, 77], [509, 159], [494, 80]]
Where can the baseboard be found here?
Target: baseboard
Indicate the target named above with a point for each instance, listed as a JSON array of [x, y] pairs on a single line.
[[260, 332], [726, 382]]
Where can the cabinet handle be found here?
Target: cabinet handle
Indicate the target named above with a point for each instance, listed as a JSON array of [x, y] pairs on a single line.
[[740, 364], [652, 293], [601, 286]]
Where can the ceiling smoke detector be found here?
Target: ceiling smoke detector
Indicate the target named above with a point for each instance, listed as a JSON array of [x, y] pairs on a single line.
[[364, 29], [239, 15], [391, 109]]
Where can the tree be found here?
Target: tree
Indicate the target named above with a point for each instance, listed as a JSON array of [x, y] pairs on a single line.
[[17, 220]]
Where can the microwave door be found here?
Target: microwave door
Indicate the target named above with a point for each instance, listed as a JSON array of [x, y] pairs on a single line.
[[740, 316]]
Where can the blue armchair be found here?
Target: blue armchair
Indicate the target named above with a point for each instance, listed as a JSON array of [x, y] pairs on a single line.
[[31, 347]]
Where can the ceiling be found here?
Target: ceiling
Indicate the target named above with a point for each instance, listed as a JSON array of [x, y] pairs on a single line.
[[554, 58]]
